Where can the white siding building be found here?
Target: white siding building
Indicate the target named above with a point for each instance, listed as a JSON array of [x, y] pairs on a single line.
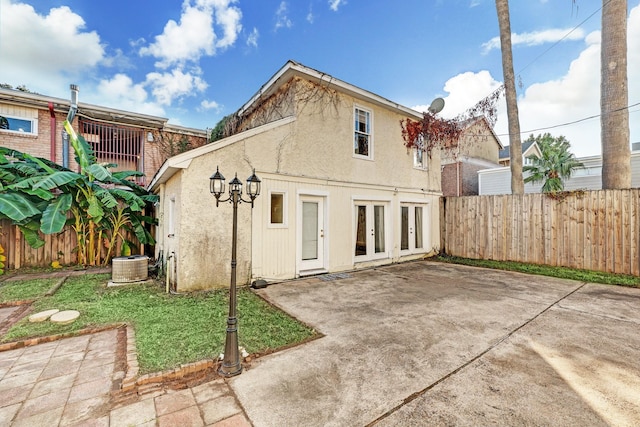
[[498, 180]]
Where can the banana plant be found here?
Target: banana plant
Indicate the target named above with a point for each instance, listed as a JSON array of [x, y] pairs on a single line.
[[38, 195]]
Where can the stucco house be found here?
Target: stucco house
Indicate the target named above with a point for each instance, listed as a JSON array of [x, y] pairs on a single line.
[[477, 149], [32, 123], [340, 191]]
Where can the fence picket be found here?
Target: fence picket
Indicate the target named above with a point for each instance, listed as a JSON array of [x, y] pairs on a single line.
[[595, 230]]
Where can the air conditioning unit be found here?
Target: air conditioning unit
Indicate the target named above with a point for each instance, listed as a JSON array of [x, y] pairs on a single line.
[[130, 269]]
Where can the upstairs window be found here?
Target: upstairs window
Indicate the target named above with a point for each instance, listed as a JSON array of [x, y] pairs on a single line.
[[362, 143], [418, 154]]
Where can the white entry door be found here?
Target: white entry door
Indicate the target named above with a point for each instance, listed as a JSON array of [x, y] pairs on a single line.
[[413, 228], [311, 235]]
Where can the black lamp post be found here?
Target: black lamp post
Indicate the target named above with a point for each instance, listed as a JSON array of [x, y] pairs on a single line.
[[231, 363]]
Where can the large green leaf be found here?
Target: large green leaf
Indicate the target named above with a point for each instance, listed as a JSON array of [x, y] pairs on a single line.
[[57, 179], [55, 216], [31, 236], [17, 207], [140, 231], [107, 197], [122, 175], [43, 166], [95, 210], [134, 202], [84, 153], [98, 172]]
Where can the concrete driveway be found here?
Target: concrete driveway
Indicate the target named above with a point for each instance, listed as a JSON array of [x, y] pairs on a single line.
[[425, 343]]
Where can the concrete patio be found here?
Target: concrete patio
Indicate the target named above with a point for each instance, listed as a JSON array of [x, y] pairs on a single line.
[[413, 344], [425, 343]]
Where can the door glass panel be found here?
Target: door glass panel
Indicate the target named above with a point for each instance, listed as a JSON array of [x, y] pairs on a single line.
[[378, 226], [277, 208], [309, 230], [404, 228], [361, 230], [418, 227]]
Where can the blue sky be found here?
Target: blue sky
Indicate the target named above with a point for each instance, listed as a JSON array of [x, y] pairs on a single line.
[[195, 61]]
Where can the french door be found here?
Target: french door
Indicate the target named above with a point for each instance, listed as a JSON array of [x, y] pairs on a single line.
[[312, 233], [370, 230], [413, 228]]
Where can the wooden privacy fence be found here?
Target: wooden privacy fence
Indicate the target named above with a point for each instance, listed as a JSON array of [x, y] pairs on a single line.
[[592, 230], [59, 247]]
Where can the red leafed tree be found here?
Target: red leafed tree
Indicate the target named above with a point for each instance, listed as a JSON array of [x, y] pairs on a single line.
[[435, 132]]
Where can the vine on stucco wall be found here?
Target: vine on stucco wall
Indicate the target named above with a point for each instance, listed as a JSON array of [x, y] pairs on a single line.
[[435, 132]]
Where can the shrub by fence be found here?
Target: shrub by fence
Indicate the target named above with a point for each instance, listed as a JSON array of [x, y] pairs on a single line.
[[59, 247], [592, 230]]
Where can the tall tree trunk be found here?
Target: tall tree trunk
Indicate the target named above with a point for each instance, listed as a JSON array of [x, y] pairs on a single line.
[[614, 96], [515, 143]]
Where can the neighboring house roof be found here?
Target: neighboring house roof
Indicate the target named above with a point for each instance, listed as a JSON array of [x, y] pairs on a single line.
[[287, 72], [93, 112], [505, 153]]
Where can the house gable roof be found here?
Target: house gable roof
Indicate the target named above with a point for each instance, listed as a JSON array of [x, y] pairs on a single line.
[[292, 69], [183, 160]]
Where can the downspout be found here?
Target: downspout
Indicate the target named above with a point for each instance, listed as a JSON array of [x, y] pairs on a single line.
[[70, 115], [168, 271], [52, 153]]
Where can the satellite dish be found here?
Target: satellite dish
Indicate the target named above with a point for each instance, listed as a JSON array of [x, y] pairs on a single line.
[[436, 106]]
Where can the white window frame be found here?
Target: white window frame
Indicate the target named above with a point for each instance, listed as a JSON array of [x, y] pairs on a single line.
[[285, 210], [357, 108], [423, 163], [33, 121]]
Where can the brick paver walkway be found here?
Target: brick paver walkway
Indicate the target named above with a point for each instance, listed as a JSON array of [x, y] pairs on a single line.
[[69, 382], [58, 383]]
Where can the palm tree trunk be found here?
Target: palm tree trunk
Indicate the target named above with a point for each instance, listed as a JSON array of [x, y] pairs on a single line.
[[614, 97], [515, 143]]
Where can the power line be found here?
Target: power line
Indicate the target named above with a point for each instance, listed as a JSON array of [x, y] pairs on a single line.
[[558, 42], [576, 121]]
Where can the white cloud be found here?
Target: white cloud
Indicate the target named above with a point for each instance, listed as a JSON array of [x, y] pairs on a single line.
[[210, 105], [54, 42], [282, 16], [120, 92], [167, 87], [536, 38], [252, 40], [194, 35], [335, 4], [464, 90]]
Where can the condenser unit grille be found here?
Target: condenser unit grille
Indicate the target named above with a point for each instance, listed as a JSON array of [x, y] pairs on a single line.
[[130, 269]]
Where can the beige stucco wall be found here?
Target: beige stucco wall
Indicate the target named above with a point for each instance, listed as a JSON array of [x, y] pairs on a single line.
[[477, 142], [308, 154]]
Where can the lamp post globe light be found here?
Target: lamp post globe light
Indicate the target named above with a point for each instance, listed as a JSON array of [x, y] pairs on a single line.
[[231, 363]]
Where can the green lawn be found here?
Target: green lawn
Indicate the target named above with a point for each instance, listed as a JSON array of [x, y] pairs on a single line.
[[545, 270], [25, 289], [170, 329]]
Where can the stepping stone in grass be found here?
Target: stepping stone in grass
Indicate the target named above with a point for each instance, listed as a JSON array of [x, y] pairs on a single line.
[[65, 317], [43, 315]]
